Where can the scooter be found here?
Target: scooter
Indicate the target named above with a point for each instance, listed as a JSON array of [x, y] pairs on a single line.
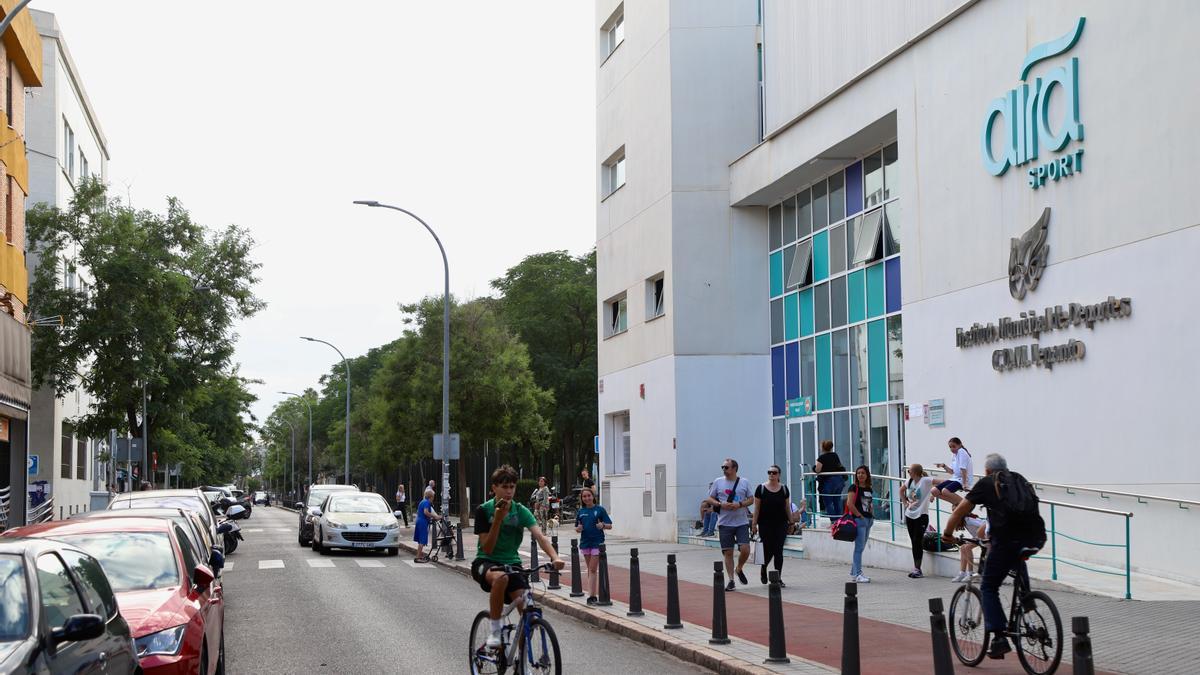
[[229, 529]]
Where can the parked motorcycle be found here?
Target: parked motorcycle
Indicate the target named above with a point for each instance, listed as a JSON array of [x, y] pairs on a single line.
[[229, 529]]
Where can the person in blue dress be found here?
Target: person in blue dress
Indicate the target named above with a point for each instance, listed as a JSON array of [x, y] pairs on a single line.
[[590, 522], [425, 513]]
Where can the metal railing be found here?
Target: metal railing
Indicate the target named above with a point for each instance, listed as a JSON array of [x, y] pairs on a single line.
[[43, 512], [4, 500], [890, 508], [1184, 504]]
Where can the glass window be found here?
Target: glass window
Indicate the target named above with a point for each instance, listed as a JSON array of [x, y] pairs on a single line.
[[774, 227], [821, 307], [837, 302], [776, 273], [892, 273], [825, 427], [779, 434], [617, 319], [803, 214], [808, 369], [133, 561], [873, 180], [866, 238], [841, 369], [359, 503], [799, 272], [806, 312], [81, 457], [791, 316], [857, 350], [837, 197], [877, 360], [891, 172], [879, 449], [856, 298], [820, 243], [789, 220], [789, 260], [860, 425], [14, 598], [95, 585], [791, 357], [820, 204], [824, 373], [875, 297], [777, 321], [842, 440], [189, 556], [854, 189], [778, 400], [837, 249], [895, 359], [60, 600], [891, 228]]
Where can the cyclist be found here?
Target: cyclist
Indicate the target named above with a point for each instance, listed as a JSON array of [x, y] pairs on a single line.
[[1015, 530], [501, 523]]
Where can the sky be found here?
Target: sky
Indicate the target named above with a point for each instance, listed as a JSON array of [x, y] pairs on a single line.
[[478, 116]]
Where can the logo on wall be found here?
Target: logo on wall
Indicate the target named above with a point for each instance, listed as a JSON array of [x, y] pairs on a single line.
[[1020, 122], [1027, 259]]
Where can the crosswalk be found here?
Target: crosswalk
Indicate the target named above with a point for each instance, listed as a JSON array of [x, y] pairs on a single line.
[[321, 563]]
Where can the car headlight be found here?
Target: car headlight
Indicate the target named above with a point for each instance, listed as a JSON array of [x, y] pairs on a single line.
[[166, 641], [335, 525], [392, 526]]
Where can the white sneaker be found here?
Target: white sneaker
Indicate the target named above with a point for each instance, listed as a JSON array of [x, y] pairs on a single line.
[[960, 577], [493, 640], [860, 579]]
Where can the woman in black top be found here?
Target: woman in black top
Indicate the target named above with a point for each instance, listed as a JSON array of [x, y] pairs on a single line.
[[772, 506], [829, 488]]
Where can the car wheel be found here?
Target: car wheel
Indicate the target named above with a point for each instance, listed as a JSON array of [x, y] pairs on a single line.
[[393, 551], [316, 542], [300, 540]]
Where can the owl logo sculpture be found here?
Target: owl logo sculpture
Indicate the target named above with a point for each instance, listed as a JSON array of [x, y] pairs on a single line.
[[1027, 260]]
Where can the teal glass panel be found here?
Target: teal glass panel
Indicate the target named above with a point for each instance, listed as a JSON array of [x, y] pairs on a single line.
[[791, 316], [877, 360], [806, 312], [825, 374], [820, 256], [875, 297], [856, 296], [776, 273]]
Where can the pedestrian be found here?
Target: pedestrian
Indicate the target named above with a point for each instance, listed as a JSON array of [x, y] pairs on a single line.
[[977, 527], [829, 488], [914, 494], [590, 522], [1015, 530], [425, 514], [708, 517], [772, 517], [402, 503], [859, 503], [585, 478], [730, 495], [541, 502], [432, 486], [960, 473]]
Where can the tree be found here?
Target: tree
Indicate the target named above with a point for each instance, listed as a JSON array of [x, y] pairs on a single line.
[[549, 301], [166, 292]]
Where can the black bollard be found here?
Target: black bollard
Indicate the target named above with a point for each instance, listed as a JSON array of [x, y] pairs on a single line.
[[942, 665], [672, 594], [604, 600], [1081, 647], [635, 585], [720, 629], [536, 577], [850, 661], [553, 585], [458, 533], [777, 641], [576, 571]]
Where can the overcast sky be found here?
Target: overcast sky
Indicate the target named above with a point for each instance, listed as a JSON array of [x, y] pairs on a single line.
[[478, 116]]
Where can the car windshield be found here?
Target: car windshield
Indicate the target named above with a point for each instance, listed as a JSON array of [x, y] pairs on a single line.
[[317, 496], [359, 504], [133, 561], [14, 599], [169, 502]]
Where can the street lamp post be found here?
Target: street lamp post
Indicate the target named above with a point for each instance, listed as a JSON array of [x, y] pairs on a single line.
[[445, 351], [292, 473], [305, 399], [347, 365]]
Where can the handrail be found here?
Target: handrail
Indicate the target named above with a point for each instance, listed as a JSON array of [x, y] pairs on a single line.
[[1102, 492], [44, 511]]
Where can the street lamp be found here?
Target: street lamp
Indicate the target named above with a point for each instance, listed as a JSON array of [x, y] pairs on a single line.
[[292, 473], [445, 351], [305, 399], [347, 365]]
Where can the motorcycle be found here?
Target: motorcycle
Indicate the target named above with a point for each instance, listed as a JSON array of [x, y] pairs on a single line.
[[229, 529]]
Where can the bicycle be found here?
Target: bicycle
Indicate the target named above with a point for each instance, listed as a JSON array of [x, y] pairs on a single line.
[[443, 540], [534, 651], [1033, 622]]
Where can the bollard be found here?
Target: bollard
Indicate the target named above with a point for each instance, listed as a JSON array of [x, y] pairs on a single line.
[[720, 629], [605, 600], [576, 572], [459, 544], [553, 585], [672, 594], [942, 665], [850, 661], [777, 640], [1081, 647], [635, 585], [536, 577]]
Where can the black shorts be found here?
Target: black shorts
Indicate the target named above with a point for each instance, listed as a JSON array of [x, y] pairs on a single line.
[[479, 569]]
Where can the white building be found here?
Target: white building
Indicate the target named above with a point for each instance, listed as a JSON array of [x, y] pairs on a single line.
[[65, 144], [849, 273]]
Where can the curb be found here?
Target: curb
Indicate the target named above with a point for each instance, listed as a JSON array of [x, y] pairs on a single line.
[[680, 649]]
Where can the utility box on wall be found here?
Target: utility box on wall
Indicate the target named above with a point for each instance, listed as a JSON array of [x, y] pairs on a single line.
[[660, 488]]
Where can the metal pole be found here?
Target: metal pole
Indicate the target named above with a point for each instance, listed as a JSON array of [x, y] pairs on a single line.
[[445, 352], [309, 406], [145, 433], [347, 365]]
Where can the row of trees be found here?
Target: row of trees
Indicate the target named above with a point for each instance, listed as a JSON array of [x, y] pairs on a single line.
[[522, 380]]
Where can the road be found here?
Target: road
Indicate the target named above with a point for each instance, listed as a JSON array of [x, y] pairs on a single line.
[[290, 610]]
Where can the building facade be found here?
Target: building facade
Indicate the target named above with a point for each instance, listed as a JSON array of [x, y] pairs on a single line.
[[21, 50], [66, 145]]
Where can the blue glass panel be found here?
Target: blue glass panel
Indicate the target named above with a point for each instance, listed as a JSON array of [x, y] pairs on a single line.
[[824, 373], [854, 196], [892, 272], [792, 357], [875, 299], [820, 256], [778, 398], [856, 296], [877, 360], [776, 273]]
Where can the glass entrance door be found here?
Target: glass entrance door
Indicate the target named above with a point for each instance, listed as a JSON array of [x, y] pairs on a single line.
[[802, 452]]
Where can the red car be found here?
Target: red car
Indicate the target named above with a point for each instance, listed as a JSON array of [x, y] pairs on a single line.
[[171, 601]]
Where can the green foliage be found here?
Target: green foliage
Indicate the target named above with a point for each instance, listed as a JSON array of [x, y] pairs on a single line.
[[525, 488]]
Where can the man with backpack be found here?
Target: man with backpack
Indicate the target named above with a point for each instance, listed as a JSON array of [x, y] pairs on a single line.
[[1015, 530]]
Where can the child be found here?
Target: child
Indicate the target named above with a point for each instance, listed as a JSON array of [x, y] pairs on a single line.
[[501, 523], [590, 522], [978, 528]]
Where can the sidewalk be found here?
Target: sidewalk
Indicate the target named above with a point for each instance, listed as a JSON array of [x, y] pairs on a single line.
[[1128, 636]]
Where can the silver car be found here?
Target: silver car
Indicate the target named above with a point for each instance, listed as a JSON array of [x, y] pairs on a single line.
[[356, 520]]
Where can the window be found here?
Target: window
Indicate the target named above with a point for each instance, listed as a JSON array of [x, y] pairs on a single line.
[[83, 165], [65, 460], [614, 30], [189, 557], [8, 210], [68, 150], [8, 92], [801, 266], [655, 300], [613, 172], [95, 585], [616, 316], [80, 453], [618, 456], [866, 238], [60, 600]]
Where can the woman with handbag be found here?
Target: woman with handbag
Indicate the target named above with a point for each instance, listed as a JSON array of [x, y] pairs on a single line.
[[859, 503], [772, 507]]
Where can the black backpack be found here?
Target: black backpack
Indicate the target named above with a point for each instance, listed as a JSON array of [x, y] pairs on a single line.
[[1018, 509]]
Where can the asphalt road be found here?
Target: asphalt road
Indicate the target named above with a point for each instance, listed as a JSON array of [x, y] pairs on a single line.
[[363, 612]]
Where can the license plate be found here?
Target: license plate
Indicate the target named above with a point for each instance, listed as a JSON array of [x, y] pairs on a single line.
[[361, 544]]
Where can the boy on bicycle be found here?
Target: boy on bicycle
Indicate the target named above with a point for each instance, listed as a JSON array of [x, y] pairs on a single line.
[[501, 523]]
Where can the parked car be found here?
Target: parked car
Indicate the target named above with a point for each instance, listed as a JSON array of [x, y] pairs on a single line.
[[356, 520], [307, 508], [59, 611], [172, 601], [263, 498], [191, 499], [203, 545]]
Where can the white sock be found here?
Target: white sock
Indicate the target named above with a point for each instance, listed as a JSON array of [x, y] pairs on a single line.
[[496, 625]]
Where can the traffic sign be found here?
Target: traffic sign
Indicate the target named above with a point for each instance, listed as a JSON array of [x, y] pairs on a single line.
[[31, 465], [437, 447]]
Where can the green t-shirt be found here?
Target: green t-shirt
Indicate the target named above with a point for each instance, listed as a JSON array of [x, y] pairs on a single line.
[[512, 531]]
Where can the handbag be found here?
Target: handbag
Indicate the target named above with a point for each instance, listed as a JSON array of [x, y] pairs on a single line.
[[757, 555], [844, 528]]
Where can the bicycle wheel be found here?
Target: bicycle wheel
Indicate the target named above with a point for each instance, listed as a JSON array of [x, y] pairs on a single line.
[[539, 651], [483, 660], [1039, 634], [967, 634]]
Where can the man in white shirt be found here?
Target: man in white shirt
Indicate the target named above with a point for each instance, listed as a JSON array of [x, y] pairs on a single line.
[[960, 470]]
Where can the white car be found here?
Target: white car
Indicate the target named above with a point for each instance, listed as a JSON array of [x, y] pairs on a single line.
[[356, 520]]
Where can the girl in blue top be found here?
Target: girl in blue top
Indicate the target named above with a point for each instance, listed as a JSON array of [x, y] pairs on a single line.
[[590, 522]]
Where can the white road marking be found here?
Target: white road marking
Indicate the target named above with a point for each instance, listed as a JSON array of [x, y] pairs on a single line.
[[319, 562], [253, 530], [283, 529], [420, 566], [270, 564], [369, 563], [228, 566]]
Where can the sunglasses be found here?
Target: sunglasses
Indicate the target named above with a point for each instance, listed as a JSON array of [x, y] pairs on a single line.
[[772, 473], [725, 467]]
